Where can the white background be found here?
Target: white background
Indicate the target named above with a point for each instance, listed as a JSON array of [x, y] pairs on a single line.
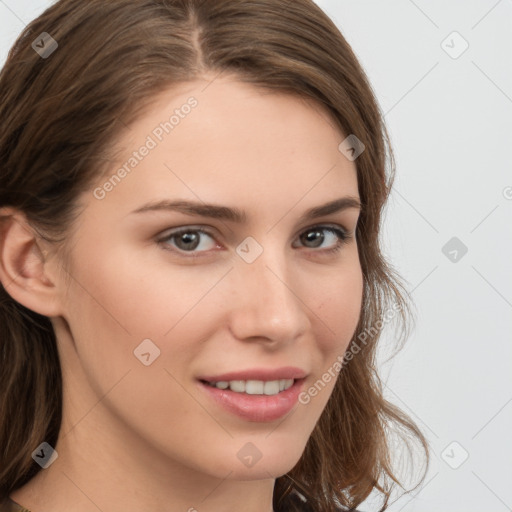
[[450, 121]]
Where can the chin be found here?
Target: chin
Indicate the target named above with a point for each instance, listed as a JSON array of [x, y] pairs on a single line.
[[267, 461], [261, 471]]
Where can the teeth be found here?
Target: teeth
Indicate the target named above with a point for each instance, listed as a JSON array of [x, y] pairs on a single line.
[[237, 385], [255, 387], [271, 387]]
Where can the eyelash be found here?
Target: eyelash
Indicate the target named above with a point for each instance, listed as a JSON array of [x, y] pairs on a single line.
[[342, 235]]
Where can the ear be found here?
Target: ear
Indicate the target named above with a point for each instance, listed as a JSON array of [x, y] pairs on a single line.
[[24, 273]]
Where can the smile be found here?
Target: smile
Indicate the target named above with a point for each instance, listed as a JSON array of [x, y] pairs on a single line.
[[254, 387]]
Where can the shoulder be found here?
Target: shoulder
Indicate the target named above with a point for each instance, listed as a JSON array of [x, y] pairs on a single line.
[[10, 506]]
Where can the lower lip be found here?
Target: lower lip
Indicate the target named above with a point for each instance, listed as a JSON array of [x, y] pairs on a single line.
[[258, 408]]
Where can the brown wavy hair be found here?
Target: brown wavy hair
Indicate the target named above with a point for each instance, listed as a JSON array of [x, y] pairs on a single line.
[[60, 118]]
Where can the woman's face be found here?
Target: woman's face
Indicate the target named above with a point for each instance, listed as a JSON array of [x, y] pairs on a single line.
[[151, 316]]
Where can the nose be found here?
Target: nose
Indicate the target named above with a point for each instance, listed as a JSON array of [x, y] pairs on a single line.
[[268, 303]]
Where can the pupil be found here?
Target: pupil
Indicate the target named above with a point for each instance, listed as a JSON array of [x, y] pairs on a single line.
[[311, 237], [188, 237]]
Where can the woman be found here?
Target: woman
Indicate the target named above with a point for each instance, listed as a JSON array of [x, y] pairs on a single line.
[[233, 374]]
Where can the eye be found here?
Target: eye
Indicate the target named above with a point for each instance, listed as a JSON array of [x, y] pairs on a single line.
[[188, 239], [316, 236]]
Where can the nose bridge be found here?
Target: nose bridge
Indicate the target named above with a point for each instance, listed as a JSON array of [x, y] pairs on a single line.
[[266, 304]]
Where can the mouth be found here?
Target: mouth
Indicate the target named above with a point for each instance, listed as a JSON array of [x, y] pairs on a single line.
[[253, 387], [256, 395]]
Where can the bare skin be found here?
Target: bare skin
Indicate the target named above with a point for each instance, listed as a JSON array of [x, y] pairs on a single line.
[[136, 438]]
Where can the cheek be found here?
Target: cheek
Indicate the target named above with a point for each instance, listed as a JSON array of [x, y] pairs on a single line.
[[338, 309], [338, 313], [121, 300], [139, 295], [113, 311]]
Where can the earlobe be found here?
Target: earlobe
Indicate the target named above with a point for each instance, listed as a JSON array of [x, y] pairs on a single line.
[[23, 268]]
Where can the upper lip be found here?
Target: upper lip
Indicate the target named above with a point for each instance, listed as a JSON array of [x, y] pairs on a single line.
[[265, 374]]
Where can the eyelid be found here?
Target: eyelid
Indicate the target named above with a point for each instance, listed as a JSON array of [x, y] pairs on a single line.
[[209, 231], [172, 232]]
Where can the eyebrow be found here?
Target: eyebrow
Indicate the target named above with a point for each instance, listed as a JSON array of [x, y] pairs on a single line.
[[239, 216]]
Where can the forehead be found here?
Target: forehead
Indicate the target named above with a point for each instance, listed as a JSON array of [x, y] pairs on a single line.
[[226, 139]]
